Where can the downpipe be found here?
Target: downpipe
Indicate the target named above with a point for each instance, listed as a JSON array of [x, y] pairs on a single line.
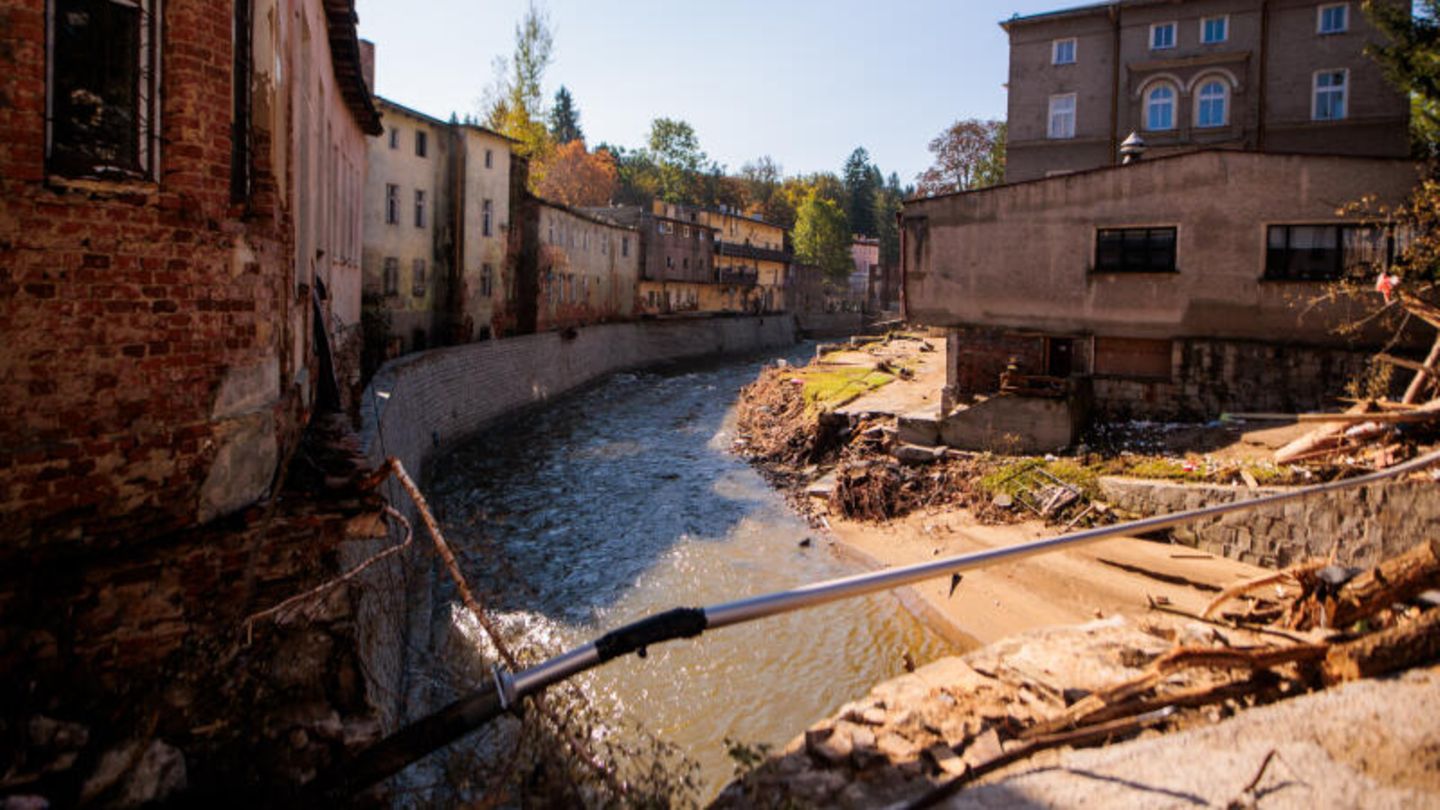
[[506, 690]]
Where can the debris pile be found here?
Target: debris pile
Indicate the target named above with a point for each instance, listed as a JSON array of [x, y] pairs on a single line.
[[922, 737]]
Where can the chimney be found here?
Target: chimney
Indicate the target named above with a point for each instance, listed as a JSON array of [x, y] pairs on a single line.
[[367, 64]]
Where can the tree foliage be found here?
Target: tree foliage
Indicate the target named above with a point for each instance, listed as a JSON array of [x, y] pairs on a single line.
[[572, 176], [515, 104], [1410, 57], [678, 160], [861, 182], [822, 236], [970, 154], [565, 119], [887, 208]]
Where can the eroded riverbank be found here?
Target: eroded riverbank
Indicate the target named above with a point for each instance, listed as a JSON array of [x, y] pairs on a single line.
[[625, 500]]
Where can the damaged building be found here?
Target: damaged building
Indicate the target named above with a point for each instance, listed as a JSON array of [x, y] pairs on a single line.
[[1181, 272]]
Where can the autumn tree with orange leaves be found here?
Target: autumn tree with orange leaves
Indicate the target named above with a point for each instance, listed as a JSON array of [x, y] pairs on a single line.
[[572, 176]]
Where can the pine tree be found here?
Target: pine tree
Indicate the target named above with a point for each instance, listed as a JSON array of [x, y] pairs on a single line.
[[860, 192], [565, 119]]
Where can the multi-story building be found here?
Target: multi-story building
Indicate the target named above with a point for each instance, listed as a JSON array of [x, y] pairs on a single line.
[[866, 279], [1189, 282], [588, 268], [1277, 75], [437, 216], [748, 250], [180, 243]]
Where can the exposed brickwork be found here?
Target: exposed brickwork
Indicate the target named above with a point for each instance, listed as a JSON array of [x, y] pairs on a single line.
[[979, 357]]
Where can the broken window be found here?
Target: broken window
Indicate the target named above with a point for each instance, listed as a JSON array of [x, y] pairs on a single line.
[[1135, 250], [102, 88]]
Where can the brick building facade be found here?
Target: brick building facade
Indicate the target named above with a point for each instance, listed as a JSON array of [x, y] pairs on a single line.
[[179, 267]]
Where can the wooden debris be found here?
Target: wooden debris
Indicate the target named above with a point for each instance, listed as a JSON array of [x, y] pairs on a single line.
[[1398, 579], [1384, 652]]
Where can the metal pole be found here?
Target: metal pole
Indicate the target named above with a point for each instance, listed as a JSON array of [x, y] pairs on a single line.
[[690, 622]]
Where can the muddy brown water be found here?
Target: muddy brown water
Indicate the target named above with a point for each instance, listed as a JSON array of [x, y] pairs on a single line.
[[626, 500]]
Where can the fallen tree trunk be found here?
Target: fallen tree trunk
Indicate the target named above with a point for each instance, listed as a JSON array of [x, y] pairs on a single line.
[[1384, 652], [1398, 579]]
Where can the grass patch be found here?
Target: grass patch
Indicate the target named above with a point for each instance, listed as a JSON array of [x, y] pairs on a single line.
[[1165, 469], [834, 387], [1008, 479]]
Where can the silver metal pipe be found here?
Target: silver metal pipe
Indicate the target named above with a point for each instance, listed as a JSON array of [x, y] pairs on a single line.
[[756, 607], [536, 678]]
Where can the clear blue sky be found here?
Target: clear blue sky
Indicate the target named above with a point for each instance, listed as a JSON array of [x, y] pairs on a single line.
[[804, 81]]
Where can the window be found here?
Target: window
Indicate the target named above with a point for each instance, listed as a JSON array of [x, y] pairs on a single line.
[[486, 215], [240, 160], [669, 262], [420, 144], [1160, 107], [489, 159], [391, 276], [624, 246], [1133, 358], [1333, 19], [487, 280], [392, 204], [419, 208], [1135, 250], [1062, 52], [1212, 104], [1325, 252], [1062, 116], [417, 278], [394, 137], [1162, 36], [1214, 30], [1330, 91], [685, 231], [102, 88]]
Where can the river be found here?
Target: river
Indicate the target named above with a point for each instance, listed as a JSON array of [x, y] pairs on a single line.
[[625, 500]]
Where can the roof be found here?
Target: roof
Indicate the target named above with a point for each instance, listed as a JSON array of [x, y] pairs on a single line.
[[340, 20], [584, 214], [1060, 178], [411, 111]]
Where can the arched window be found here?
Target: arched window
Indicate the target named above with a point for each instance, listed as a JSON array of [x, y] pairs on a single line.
[[1212, 104], [1160, 107]]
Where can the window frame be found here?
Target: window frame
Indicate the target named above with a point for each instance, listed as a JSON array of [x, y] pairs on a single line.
[[1050, 129], [487, 280], [420, 218], [392, 204], [390, 276], [1173, 102], [418, 279], [1225, 94], [489, 158], [1340, 272], [1224, 20], [1096, 267], [487, 215], [1343, 91], [1320, 28], [1055, 46], [1174, 27], [147, 121], [422, 143], [394, 137]]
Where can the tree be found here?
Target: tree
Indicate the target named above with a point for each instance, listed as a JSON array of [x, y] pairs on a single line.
[[571, 176], [1411, 59], [760, 183], [822, 236], [515, 105], [565, 119], [888, 199], [860, 184], [970, 154], [675, 151]]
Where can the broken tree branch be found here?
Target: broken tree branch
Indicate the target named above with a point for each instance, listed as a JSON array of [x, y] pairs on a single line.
[[1398, 579], [1387, 651]]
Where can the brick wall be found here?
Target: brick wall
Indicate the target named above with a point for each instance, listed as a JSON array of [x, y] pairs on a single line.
[[978, 357], [1369, 524]]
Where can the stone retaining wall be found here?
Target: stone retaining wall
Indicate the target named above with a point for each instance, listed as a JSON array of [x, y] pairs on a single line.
[[830, 324], [422, 403], [1370, 523]]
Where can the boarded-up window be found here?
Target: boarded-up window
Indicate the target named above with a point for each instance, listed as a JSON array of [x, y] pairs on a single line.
[[1132, 357]]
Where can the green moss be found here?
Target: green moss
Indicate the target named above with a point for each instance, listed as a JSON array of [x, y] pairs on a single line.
[[1164, 468], [1008, 479], [833, 387]]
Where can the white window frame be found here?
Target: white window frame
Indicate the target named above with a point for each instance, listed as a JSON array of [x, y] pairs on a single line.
[[1174, 102], [1225, 98], [1320, 18], [1174, 35], [1055, 51], [1224, 20], [1344, 91], [1050, 128]]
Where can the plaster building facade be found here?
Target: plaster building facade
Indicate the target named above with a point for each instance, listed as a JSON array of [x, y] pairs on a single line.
[[1190, 282], [588, 268], [748, 251], [437, 215], [866, 280], [180, 255], [1277, 75]]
